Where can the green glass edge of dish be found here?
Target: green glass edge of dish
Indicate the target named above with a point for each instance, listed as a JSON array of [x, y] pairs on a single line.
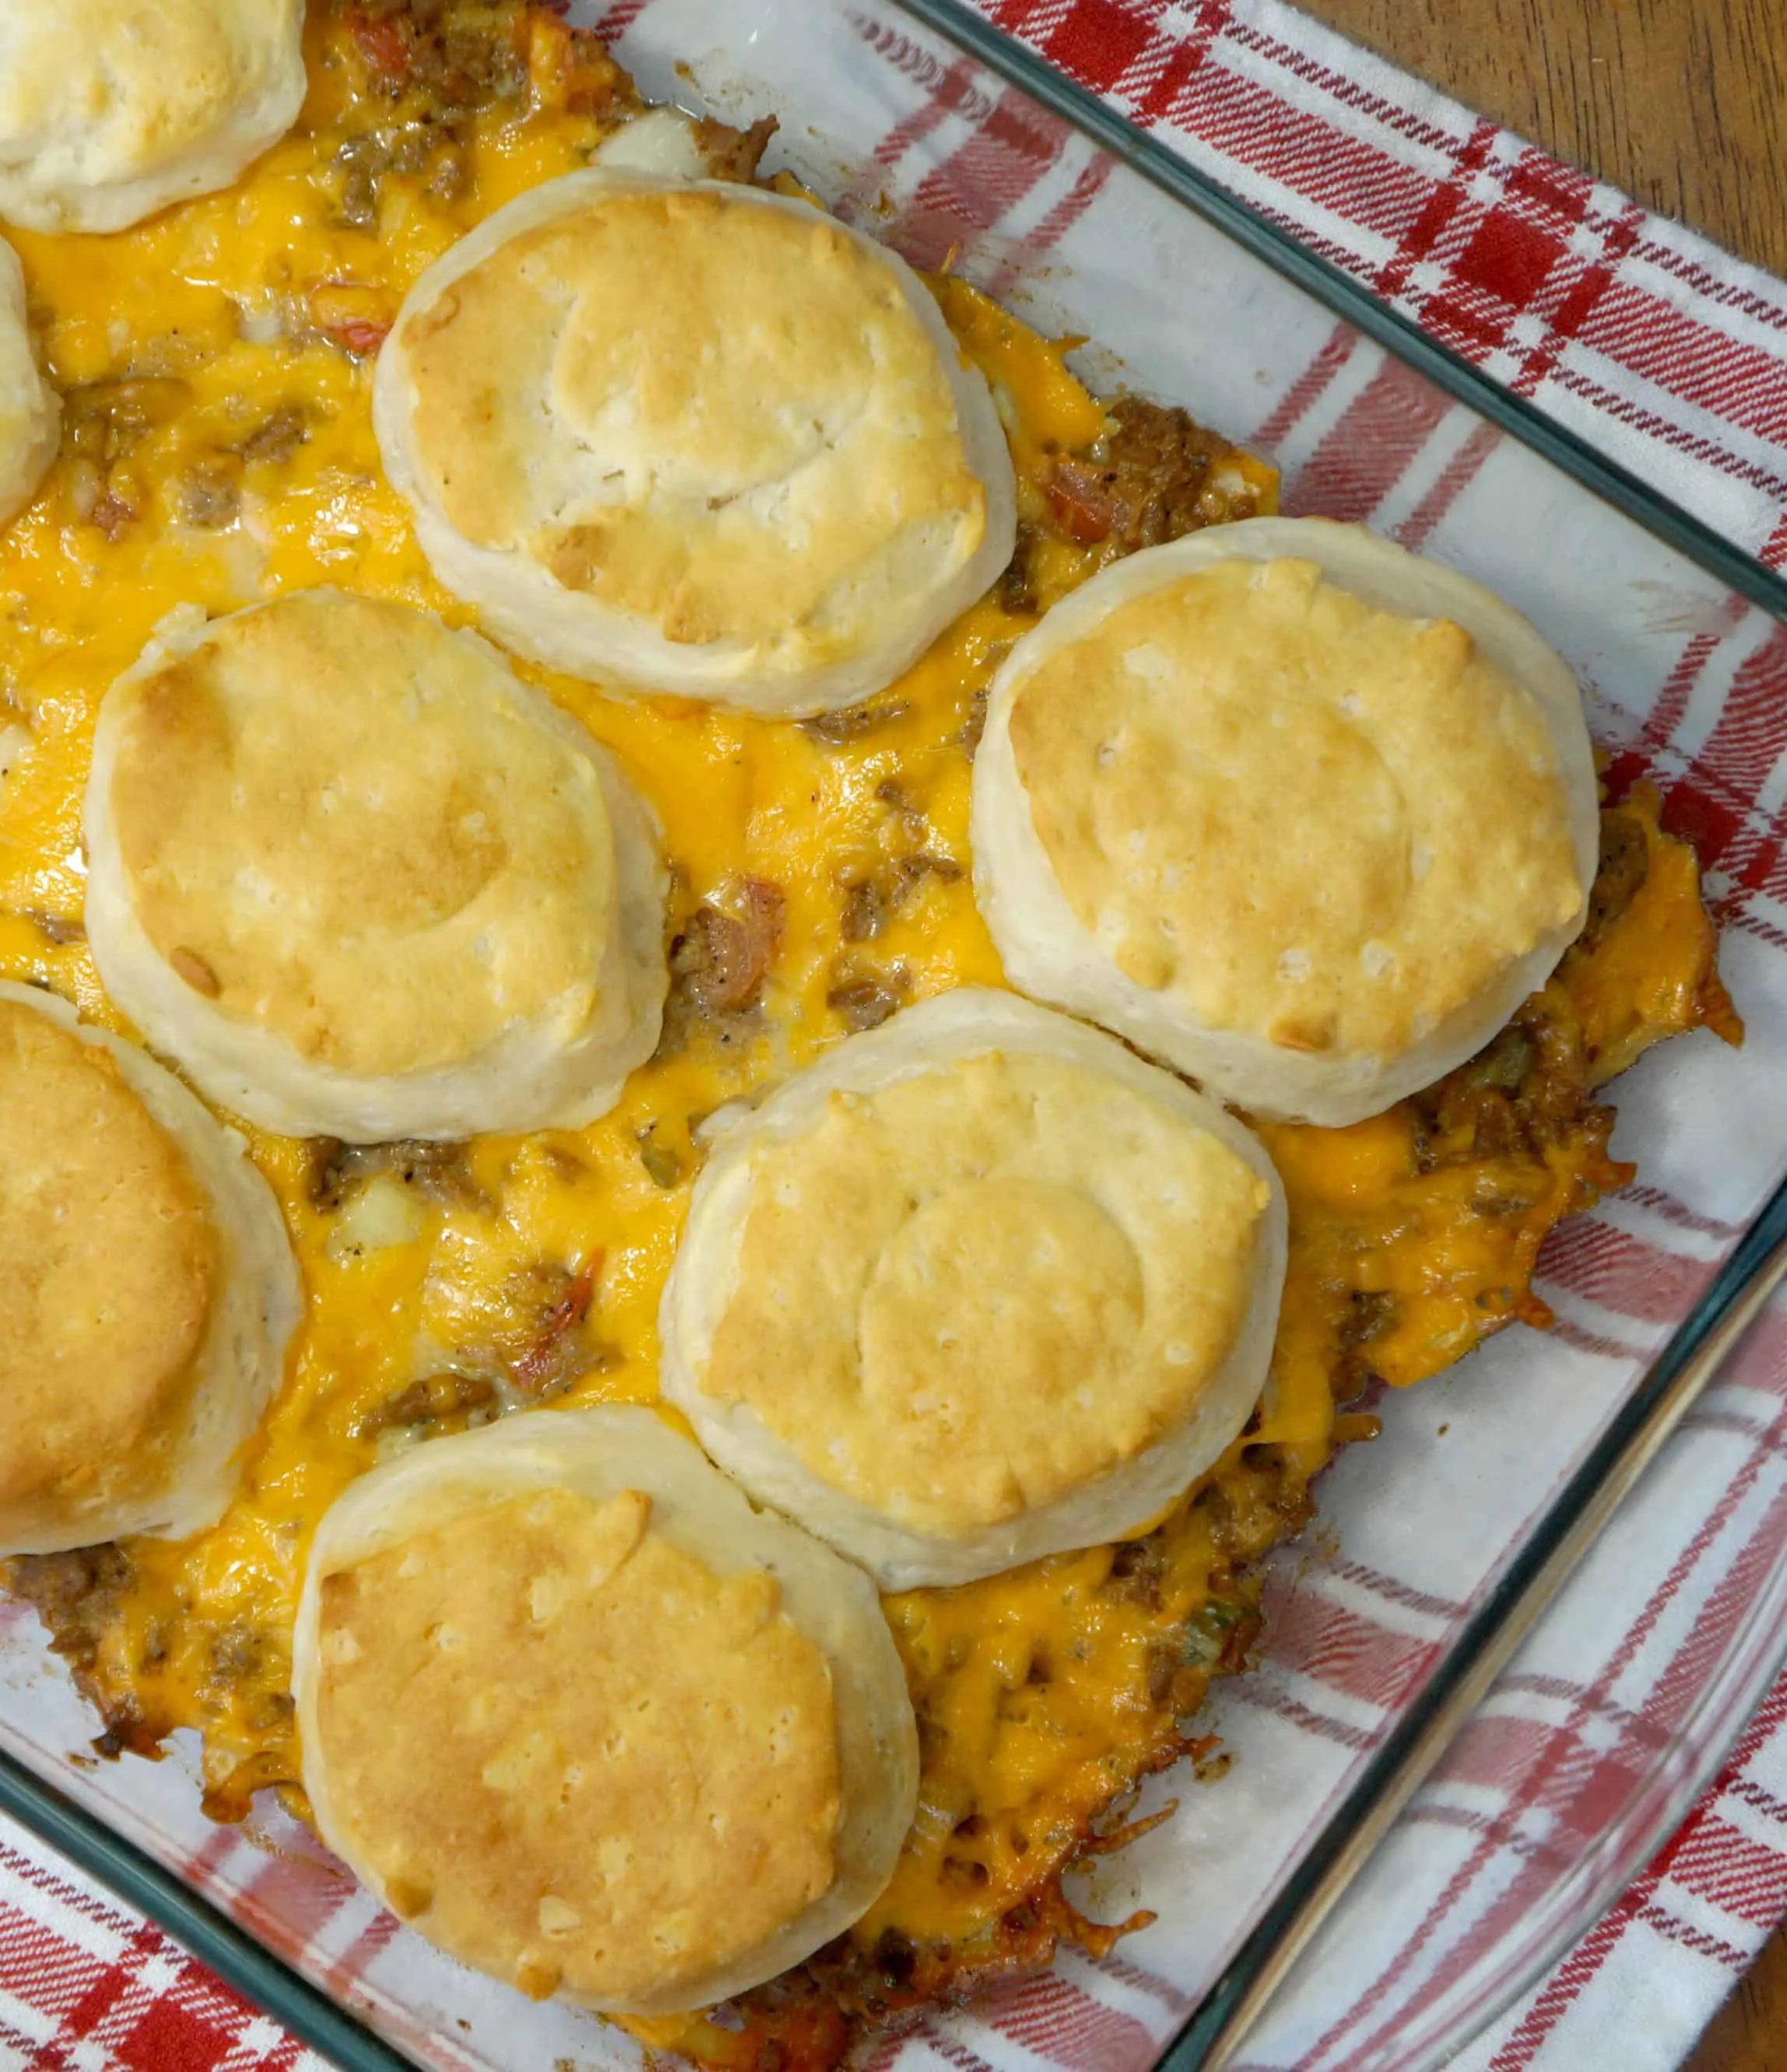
[[193, 1922], [284, 1992]]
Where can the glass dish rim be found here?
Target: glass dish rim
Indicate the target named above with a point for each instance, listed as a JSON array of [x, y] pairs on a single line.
[[277, 1987]]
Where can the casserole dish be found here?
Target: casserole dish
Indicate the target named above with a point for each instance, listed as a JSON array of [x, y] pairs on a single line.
[[1063, 218]]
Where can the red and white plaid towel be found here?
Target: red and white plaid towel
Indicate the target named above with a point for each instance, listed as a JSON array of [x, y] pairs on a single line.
[[1673, 359]]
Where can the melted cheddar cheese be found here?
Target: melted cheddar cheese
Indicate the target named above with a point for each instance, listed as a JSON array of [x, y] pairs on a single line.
[[217, 363]]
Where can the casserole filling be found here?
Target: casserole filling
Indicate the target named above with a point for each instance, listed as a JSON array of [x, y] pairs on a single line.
[[216, 365]]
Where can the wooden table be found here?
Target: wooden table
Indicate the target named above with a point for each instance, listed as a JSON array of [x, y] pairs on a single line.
[[1682, 103]]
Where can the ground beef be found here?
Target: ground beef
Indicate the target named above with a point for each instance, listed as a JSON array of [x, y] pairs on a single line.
[[734, 154], [440, 1171], [1016, 590], [1149, 482], [437, 149], [721, 956], [1527, 1089], [436, 62], [1371, 1314], [103, 423], [439, 47], [839, 729], [277, 437], [77, 1596], [864, 996], [873, 903], [1623, 866], [439, 1400], [867, 909]]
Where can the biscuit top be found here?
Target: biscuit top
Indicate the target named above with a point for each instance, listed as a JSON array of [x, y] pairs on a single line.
[[1300, 816], [29, 409], [636, 1777], [109, 107], [715, 414], [348, 827], [970, 1293], [109, 1267]]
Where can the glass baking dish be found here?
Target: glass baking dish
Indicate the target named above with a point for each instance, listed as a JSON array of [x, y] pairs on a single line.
[[955, 144]]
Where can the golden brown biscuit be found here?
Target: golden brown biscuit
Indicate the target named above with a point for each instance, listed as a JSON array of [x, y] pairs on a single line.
[[31, 411], [147, 1290], [593, 1725], [977, 1288], [691, 437], [110, 110], [360, 881], [1295, 811]]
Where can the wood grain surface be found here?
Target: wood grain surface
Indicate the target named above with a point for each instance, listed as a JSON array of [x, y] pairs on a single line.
[[1682, 103]]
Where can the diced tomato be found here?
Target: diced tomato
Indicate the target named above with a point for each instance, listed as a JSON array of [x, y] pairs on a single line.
[[384, 46], [536, 1364], [1080, 506], [352, 315]]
